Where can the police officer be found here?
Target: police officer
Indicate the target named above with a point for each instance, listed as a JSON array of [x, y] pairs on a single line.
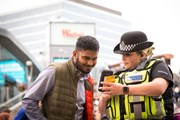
[[144, 89]]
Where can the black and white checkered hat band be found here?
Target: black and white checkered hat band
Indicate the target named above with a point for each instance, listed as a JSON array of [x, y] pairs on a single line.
[[124, 47]]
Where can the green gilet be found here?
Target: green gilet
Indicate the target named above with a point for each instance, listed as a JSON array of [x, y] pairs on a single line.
[[61, 103], [133, 107]]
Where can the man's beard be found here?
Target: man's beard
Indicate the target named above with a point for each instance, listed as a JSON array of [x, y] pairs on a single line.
[[80, 67]]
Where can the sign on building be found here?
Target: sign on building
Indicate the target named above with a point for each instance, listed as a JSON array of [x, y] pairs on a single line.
[[63, 36], [64, 33]]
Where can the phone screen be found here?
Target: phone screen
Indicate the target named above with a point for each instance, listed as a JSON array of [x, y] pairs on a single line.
[[103, 74]]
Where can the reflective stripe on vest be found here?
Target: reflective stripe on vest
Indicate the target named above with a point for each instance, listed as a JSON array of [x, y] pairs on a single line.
[[136, 107]]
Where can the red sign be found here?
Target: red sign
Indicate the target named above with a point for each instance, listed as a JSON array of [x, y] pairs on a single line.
[[70, 33]]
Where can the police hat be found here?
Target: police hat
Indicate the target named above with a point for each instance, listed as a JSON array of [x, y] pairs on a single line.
[[132, 41]]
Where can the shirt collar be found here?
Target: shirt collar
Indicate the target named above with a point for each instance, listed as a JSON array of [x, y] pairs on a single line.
[[84, 77]]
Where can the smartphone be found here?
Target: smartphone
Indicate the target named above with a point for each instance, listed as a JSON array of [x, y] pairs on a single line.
[[103, 74]]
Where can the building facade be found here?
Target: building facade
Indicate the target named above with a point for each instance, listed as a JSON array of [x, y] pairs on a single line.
[[32, 28]]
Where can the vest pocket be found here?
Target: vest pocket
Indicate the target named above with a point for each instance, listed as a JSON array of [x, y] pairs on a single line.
[[137, 107], [113, 108], [156, 105]]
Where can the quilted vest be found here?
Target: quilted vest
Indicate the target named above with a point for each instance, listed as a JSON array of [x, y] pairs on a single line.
[[61, 103]]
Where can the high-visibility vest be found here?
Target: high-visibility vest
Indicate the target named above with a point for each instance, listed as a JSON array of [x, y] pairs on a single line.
[[133, 107]]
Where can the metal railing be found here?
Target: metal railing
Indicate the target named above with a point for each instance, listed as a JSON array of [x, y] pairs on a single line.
[[14, 102]]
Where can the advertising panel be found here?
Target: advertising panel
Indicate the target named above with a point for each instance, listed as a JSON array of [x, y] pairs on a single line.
[[63, 36], [64, 33]]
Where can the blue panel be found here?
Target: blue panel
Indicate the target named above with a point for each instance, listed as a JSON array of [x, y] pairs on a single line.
[[13, 71], [60, 59], [2, 81]]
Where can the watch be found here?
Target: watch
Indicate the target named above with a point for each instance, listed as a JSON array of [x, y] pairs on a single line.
[[126, 89]]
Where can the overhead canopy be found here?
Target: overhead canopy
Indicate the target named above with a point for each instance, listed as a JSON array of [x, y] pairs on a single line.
[[8, 41]]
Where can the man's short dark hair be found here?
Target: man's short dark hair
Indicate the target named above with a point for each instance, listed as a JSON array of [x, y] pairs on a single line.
[[87, 43]]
